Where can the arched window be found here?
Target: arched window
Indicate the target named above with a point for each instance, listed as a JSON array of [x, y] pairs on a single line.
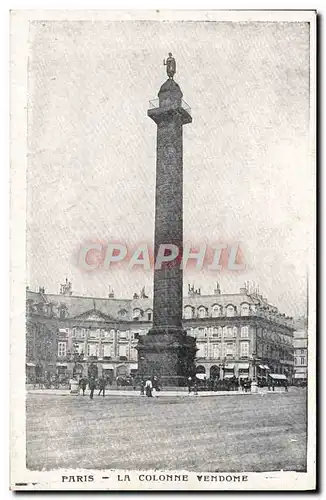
[[149, 314], [244, 309], [188, 312], [214, 371], [200, 369], [202, 313], [216, 311], [230, 311], [122, 313], [215, 332], [137, 313]]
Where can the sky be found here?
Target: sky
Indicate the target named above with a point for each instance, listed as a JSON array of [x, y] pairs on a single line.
[[92, 149]]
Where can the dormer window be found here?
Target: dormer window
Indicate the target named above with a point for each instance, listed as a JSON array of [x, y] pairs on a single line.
[[244, 310], [122, 313], [62, 311], [216, 311], [188, 312], [202, 312], [230, 311], [137, 313]]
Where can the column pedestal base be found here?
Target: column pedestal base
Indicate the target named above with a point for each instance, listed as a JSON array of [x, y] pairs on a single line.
[[170, 357]]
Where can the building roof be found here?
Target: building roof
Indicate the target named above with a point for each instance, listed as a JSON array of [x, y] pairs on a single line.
[[112, 307]]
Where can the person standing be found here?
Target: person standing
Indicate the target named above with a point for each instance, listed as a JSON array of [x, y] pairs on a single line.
[[102, 384], [189, 382], [149, 388], [92, 386], [83, 385], [142, 388]]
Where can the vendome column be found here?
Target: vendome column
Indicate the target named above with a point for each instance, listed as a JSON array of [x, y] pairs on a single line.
[[166, 351]]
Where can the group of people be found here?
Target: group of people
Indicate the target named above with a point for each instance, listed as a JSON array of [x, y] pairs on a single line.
[[92, 384], [149, 387]]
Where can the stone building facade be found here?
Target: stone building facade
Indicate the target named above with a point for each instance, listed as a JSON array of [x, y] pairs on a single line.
[[300, 344], [239, 334]]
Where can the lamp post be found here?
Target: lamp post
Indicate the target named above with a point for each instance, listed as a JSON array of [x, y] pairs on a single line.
[[222, 368], [254, 387], [141, 364]]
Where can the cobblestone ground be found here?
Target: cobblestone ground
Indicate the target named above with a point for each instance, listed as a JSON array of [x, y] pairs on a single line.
[[254, 433]]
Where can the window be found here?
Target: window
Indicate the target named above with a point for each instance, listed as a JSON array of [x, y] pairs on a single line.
[[302, 351], [62, 349], [95, 334], [123, 335], [244, 349], [107, 350], [73, 332], [230, 311], [202, 312], [137, 313], [244, 332], [202, 350], [122, 313], [133, 354], [216, 351], [79, 347], [229, 349], [295, 361], [216, 332], [302, 361], [216, 311], [235, 331], [149, 316], [202, 332], [123, 350], [245, 310], [188, 312], [92, 349], [228, 332]]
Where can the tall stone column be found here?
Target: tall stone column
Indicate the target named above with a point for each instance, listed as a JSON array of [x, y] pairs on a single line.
[[166, 351]]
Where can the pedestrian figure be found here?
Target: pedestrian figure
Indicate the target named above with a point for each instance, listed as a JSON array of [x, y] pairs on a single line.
[[83, 385], [102, 384], [92, 386], [142, 388], [149, 388], [189, 384], [195, 389]]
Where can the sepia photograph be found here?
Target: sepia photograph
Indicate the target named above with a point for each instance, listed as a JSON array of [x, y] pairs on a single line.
[[163, 250]]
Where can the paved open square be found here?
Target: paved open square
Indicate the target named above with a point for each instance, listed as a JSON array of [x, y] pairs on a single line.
[[251, 433]]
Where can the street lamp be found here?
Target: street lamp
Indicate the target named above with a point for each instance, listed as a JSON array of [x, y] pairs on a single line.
[[222, 367], [254, 372], [141, 359]]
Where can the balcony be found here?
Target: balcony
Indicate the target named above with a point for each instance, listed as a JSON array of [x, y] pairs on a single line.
[[155, 104]]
